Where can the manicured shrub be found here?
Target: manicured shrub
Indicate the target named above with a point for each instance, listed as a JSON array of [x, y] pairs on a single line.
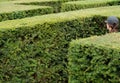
[[76, 5], [95, 59], [37, 53], [35, 49], [25, 13], [56, 4]]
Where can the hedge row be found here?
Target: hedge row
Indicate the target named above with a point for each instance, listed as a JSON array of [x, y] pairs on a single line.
[[76, 5], [56, 4], [95, 59], [34, 49], [38, 53], [17, 14], [60, 17], [16, 11], [5, 0]]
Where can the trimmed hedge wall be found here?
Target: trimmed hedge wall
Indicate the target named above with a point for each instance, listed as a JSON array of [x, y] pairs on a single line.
[[60, 17], [38, 53], [56, 4], [76, 5], [95, 59], [25, 13], [34, 49]]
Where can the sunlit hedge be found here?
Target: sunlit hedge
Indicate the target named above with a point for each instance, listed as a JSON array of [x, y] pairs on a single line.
[[95, 59], [25, 13], [56, 4], [38, 53], [77, 5], [35, 49]]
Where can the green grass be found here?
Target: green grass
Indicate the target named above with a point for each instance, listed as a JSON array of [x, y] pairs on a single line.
[[59, 17]]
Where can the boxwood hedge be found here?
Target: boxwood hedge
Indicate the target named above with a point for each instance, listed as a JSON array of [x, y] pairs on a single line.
[[56, 4], [34, 49], [38, 53], [76, 5], [95, 59], [18, 9], [25, 13]]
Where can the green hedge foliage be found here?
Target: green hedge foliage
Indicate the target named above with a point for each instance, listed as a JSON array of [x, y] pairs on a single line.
[[6, 0], [95, 59], [37, 53], [76, 5], [25, 13], [40, 44], [56, 4]]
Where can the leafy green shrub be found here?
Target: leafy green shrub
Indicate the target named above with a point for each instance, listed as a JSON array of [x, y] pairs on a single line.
[[25, 13], [37, 53], [56, 4], [95, 59], [76, 5]]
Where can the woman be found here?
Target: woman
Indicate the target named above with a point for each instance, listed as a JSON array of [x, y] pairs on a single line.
[[112, 24]]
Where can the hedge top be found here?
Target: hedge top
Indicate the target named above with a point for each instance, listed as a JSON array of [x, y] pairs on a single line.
[[86, 2], [110, 41], [29, 1], [6, 7], [60, 17]]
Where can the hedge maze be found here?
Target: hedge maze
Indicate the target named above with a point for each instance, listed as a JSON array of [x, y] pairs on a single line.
[[38, 41]]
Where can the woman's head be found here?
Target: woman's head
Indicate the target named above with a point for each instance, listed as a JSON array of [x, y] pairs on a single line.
[[112, 24]]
